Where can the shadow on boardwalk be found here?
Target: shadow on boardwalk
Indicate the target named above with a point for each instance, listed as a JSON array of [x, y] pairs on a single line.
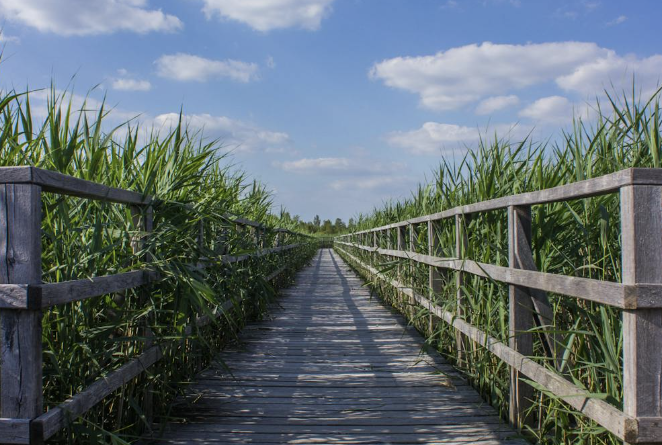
[[330, 365]]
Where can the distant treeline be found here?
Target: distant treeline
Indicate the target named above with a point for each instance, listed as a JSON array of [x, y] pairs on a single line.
[[317, 226]]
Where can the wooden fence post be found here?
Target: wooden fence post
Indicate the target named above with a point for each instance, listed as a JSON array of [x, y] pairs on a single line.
[[143, 221], [461, 246], [641, 234], [21, 393], [434, 276], [520, 313]]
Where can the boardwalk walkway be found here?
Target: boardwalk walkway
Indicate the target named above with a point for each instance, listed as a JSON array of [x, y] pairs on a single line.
[[332, 365]]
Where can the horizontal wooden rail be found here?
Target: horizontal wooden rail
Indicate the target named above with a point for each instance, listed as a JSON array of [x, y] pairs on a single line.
[[639, 295], [611, 183], [623, 296], [614, 420]]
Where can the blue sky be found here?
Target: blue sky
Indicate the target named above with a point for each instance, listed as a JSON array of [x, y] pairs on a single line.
[[338, 105]]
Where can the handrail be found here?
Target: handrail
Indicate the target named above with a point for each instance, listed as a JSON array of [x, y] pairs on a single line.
[[639, 294], [23, 296]]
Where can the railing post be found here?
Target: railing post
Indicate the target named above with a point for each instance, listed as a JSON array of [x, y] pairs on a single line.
[[434, 276], [20, 263], [520, 312], [461, 246], [412, 268], [143, 221], [641, 234]]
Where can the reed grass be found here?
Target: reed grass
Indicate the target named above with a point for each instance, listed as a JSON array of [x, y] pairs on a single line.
[[577, 238], [192, 182]]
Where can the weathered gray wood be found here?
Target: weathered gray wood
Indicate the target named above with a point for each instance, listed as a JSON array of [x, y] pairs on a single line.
[[330, 360], [15, 431], [434, 277], [67, 291], [581, 189], [59, 417], [461, 246], [520, 315], [20, 262], [622, 425], [641, 228], [638, 296]]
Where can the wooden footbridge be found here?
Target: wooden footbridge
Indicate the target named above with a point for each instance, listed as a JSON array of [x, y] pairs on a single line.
[[331, 363]]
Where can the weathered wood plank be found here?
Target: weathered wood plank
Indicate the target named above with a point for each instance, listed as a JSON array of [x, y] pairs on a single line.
[[20, 262], [624, 296], [59, 417], [332, 360], [582, 189], [641, 228]]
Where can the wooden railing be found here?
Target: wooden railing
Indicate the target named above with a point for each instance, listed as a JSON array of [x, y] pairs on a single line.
[[23, 296], [639, 295]]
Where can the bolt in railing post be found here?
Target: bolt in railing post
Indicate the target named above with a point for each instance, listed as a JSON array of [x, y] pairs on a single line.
[[434, 276], [520, 313], [21, 393], [641, 234]]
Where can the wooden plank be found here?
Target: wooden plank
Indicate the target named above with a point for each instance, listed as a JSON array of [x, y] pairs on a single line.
[[624, 296], [622, 425], [641, 229], [20, 262], [461, 247], [609, 183], [59, 417], [15, 431], [76, 290], [520, 316]]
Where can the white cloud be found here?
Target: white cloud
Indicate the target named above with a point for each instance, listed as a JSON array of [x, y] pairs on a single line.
[[599, 74], [271, 63], [496, 103], [186, 67], [617, 21], [266, 15], [463, 75], [433, 138], [89, 17], [470, 74], [338, 166], [552, 110], [381, 183], [126, 84], [233, 134], [4, 38]]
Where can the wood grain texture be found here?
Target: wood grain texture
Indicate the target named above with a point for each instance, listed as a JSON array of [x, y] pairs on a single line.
[[20, 262], [520, 314], [332, 364], [641, 228]]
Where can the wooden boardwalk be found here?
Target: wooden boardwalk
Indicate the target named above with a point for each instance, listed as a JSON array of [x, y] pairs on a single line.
[[331, 365]]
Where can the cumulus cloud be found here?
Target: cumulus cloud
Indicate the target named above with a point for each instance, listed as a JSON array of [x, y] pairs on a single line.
[[267, 15], [469, 74], [496, 103], [553, 110], [86, 17], [339, 165], [187, 67], [433, 137], [234, 134]]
